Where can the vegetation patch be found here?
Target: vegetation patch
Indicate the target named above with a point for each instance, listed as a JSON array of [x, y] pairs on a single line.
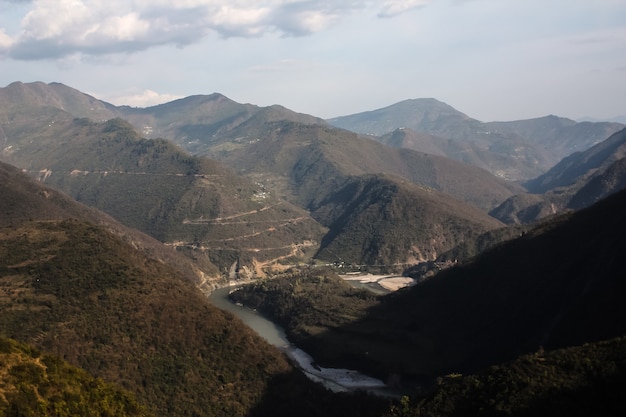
[[34, 384]]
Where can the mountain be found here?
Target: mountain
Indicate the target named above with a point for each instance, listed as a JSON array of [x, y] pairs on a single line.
[[205, 124], [576, 182], [78, 291], [580, 165], [616, 119], [232, 132], [17, 100], [376, 220], [517, 150], [191, 203], [25, 200], [557, 285], [559, 137], [199, 123], [426, 115], [304, 162], [215, 216]]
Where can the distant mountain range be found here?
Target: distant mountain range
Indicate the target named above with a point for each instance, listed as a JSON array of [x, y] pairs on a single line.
[[204, 209], [290, 187], [576, 182], [517, 150]]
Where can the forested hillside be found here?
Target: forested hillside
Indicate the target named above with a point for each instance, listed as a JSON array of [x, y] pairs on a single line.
[[560, 284]]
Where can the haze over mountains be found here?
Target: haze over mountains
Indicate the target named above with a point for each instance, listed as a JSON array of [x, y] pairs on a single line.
[[517, 150], [578, 181]]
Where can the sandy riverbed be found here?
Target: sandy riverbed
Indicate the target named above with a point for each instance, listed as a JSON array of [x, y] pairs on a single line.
[[389, 282]]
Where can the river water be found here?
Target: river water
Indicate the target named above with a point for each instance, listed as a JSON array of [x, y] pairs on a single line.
[[264, 327], [337, 380]]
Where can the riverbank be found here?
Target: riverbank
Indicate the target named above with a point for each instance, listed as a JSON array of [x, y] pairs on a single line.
[[388, 283], [334, 379]]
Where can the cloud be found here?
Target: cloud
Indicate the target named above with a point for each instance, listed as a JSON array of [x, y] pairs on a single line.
[[56, 28], [5, 42], [393, 8], [135, 98]]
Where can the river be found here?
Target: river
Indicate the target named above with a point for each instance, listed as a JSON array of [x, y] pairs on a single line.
[[337, 380]]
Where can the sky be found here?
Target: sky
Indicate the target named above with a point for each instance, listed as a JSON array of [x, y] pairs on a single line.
[[491, 59]]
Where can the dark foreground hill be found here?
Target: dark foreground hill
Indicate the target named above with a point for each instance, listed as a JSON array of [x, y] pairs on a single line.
[[559, 285], [578, 381], [76, 291]]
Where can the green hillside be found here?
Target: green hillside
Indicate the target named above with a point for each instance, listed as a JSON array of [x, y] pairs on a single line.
[[390, 224], [194, 204], [76, 291], [25, 200], [306, 162], [34, 384]]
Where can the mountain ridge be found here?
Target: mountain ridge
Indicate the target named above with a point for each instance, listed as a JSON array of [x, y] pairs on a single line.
[[298, 157], [151, 185], [576, 182], [516, 150]]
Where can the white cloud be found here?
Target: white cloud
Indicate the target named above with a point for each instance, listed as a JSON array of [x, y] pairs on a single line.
[[392, 8], [58, 28], [238, 21], [5, 42], [135, 98]]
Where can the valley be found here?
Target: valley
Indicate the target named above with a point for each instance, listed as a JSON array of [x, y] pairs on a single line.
[[468, 265]]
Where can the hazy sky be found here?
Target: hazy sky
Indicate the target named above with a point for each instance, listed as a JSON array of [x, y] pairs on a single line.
[[491, 59]]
